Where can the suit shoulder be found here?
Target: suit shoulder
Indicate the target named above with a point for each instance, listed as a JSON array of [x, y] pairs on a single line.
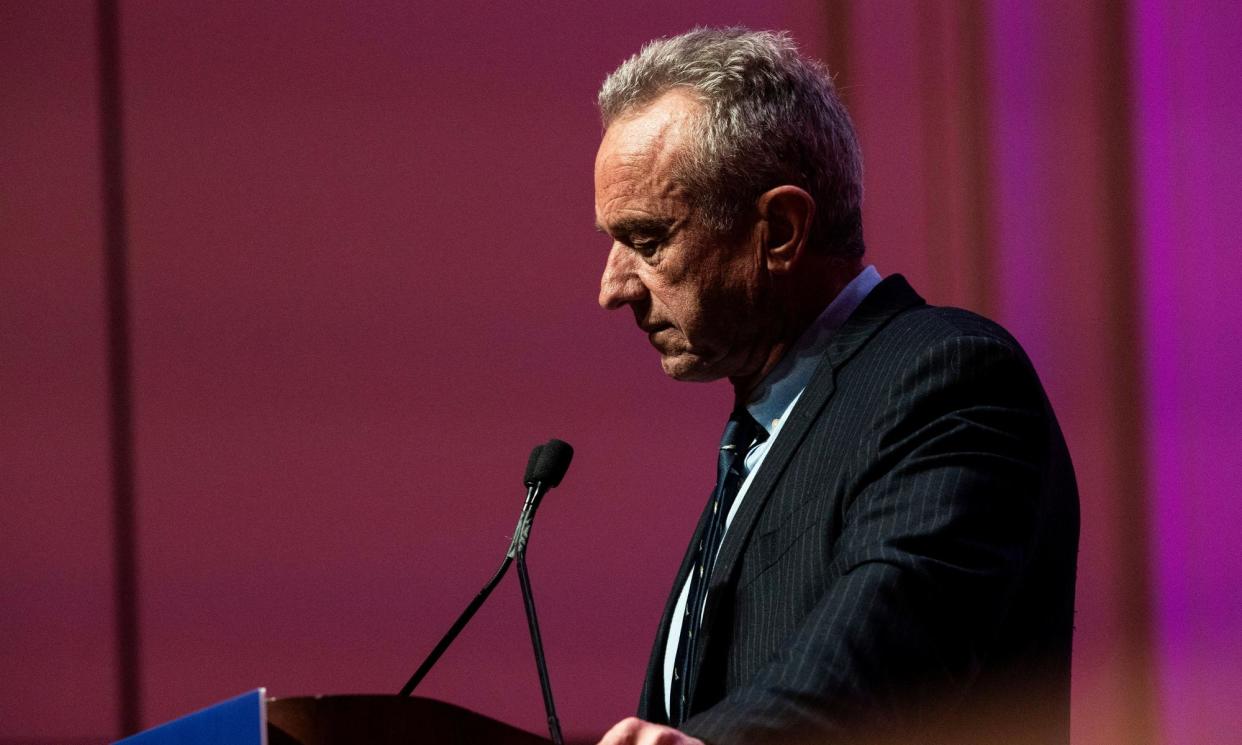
[[924, 342], [933, 324]]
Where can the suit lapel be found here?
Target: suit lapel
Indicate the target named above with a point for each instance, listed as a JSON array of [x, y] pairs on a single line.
[[889, 298]]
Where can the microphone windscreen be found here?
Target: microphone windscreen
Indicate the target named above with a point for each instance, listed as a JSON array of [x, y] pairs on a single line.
[[553, 462], [528, 479]]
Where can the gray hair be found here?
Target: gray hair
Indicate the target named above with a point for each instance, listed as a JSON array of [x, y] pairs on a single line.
[[771, 117]]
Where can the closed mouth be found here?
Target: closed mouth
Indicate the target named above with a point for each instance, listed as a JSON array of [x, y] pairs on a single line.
[[653, 328]]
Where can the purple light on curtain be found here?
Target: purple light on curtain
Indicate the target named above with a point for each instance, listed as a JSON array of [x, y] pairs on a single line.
[[1189, 156], [1026, 193], [1061, 207]]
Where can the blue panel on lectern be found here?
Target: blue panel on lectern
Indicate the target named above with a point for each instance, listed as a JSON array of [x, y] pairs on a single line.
[[238, 721]]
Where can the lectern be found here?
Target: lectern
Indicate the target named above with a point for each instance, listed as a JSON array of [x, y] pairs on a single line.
[[254, 719]]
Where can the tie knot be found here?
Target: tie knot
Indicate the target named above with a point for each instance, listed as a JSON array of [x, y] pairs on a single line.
[[741, 431]]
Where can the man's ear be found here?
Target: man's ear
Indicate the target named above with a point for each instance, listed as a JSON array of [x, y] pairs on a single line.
[[785, 214]]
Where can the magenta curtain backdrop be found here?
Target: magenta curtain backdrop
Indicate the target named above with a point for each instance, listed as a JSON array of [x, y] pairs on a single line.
[[362, 277]]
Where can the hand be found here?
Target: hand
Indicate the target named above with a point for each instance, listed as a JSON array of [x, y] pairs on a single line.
[[634, 731]]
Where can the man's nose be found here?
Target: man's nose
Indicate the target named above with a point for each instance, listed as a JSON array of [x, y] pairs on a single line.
[[619, 284]]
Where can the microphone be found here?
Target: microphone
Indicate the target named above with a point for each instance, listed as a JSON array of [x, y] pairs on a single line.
[[552, 463], [545, 468]]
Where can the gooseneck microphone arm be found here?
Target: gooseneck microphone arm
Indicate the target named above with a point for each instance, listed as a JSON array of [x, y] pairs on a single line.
[[544, 470], [523, 528], [455, 629], [545, 685]]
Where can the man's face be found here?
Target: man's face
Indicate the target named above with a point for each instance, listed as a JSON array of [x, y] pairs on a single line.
[[693, 291]]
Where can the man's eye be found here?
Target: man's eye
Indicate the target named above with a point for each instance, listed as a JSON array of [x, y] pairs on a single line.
[[645, 247]]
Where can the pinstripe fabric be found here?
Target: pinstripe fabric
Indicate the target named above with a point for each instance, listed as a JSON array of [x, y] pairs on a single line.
[[905, 556]]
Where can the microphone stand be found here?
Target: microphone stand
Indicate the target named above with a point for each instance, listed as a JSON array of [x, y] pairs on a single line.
[[517, 551], [516, 546], [544, 470], [455, 629]]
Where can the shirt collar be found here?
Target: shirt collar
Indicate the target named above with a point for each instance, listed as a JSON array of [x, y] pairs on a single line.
[[786, 381]]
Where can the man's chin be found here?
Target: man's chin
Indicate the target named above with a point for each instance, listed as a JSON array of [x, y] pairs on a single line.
[[688, 369]]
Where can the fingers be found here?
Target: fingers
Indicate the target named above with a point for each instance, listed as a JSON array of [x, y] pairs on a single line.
[[634, 731]]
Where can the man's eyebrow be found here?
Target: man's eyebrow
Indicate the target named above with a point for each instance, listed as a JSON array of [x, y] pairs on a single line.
[[639, 225]]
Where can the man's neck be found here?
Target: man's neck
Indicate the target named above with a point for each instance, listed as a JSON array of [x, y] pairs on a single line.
[[808, 303]]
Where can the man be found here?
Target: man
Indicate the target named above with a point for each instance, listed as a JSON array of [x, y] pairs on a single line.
[[891, 544]]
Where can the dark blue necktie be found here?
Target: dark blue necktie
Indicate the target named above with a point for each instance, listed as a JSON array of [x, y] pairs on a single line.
[[738, 435]]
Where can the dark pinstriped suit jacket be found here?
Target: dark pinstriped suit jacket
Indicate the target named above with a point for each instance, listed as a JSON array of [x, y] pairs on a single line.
[[904, 558]]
